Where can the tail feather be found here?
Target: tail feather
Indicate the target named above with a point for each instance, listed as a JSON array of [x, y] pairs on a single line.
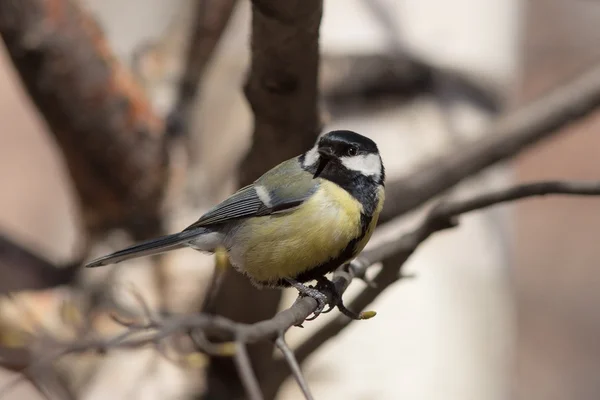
[[148, 248]]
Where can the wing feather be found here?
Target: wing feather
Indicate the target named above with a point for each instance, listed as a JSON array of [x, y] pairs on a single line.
[[291, 186], [243, 203]]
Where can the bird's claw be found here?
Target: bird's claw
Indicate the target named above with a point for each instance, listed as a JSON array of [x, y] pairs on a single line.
[[314, 293], [331, 307], [321, 299], [324, 284], [337, 301]]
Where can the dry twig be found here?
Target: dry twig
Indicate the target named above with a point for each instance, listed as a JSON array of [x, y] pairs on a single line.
[[504, 139], [244, 367], [393, 253], [210, 20], [295, 370], [443, 216]]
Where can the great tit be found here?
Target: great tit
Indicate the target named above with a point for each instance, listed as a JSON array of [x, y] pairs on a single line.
[[299, 221]]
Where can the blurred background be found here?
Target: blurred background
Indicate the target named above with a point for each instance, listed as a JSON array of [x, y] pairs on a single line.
[[502, 307]]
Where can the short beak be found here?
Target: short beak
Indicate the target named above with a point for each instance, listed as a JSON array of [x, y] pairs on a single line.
[[326, 154]]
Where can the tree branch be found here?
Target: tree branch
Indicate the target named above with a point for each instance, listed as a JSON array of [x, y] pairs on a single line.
[[282, 92], [282, 86], [210, 20], [242, 361], [393, 253], [55, 47], [504, 139], [23, 270], [112, 141], [295, 370], [15, 359], [363, 81]]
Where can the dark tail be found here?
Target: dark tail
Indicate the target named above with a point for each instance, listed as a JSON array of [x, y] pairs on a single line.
[[148, 248]]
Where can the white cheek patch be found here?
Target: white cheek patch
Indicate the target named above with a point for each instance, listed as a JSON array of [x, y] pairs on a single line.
[[311, 157], [369, 164], [263, 195]]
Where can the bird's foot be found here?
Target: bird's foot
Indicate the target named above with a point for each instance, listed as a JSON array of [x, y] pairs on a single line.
[[318, 293], [307, 291], [325, 284]]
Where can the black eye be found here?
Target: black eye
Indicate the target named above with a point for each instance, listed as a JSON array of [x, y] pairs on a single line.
[[352, 151]]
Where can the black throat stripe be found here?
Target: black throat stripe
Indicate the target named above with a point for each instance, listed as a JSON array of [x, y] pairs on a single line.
[[362, 188]]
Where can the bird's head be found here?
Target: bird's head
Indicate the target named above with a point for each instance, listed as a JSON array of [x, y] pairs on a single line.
[[345, 150]]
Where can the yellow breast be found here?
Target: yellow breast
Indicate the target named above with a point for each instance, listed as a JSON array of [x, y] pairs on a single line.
[[284, 245]]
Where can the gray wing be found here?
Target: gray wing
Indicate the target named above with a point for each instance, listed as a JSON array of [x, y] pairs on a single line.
[[279, 190]]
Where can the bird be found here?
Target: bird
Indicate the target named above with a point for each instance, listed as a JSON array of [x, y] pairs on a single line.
[[299, 221]]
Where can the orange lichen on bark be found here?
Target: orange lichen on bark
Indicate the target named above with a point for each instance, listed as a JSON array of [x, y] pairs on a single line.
[[112, 140]]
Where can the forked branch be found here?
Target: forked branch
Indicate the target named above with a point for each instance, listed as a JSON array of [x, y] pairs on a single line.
[[393, 254]]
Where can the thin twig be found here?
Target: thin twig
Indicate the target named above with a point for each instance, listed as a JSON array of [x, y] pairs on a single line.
[[504, 139], [385, 17], [210, 20], [520, 192], [441, 217], [395, 252], [50, 385], [290, 358], [242, 362]]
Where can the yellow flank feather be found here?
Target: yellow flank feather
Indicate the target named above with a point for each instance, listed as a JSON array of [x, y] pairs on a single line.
[[285, 245]]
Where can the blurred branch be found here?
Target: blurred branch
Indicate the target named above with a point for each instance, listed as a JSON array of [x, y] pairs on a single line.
[[290, 358], [445, 85], [504, 139], [50, 386], [23, 270], [386, 18], [393, 253], [112, 142], [242, 361], [282, 85], [210, 20], [282, 91], [359, 81], [15, 359]]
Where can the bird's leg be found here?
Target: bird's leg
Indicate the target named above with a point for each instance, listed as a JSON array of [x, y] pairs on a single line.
[[325, 283], [311, 292]]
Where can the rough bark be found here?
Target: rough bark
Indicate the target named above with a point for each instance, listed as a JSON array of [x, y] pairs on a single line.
[[282, 91], [112, 141]]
